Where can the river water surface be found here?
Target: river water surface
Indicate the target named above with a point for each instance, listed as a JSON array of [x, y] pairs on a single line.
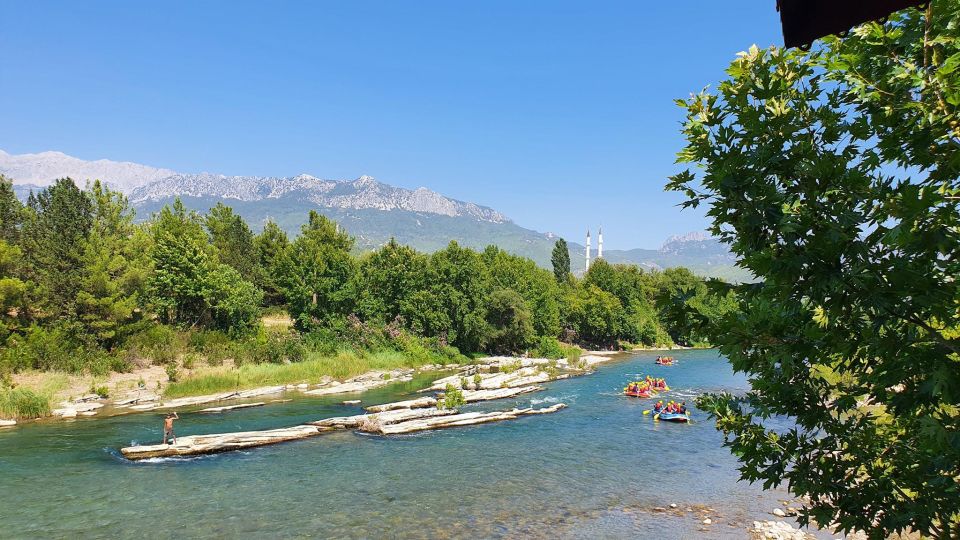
[[597, 469]]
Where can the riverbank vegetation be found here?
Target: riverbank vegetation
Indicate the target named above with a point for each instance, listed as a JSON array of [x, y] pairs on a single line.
[[834, 175], [86, 289]]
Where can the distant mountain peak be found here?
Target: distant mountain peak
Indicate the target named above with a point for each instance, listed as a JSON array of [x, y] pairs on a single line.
[[43, 168], [695, 236]]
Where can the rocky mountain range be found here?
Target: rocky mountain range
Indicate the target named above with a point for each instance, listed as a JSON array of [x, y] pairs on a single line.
[[364, 193], [372, 211]]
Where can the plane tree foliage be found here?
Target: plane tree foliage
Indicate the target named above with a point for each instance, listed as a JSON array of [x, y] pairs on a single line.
[[834, 176]]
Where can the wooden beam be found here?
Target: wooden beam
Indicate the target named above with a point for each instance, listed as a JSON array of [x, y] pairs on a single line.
[[805, 21]]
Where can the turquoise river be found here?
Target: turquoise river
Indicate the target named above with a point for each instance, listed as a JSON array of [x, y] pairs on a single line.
[[598, 469]]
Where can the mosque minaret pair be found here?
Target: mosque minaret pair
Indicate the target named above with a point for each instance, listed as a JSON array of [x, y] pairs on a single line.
[[599, 247]]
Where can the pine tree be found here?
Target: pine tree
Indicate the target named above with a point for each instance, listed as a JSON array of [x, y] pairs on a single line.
[[11, 212], [561, 260], [114, 268], [53, 237], [233, 240], [273, 251]]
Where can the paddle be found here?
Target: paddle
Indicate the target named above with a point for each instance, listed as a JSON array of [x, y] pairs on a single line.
[[646, 412]]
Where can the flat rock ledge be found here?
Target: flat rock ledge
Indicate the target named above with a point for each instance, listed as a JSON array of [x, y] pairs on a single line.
[[8, 423], [490, 374], [232, 407], [384, 423], [453, 420], [470, 396], [70, 409], [492, 381]]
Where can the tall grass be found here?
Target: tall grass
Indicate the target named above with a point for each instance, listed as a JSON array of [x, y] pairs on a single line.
[[23, 403], [342, 365]]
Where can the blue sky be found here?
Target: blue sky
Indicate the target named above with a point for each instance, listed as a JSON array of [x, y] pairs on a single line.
[[559, 114]]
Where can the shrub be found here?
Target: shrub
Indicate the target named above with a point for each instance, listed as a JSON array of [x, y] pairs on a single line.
[[573, 354], [100, 363], [206, 340], [550, 369], [477, 380], [189, 360], [101, 391], [172, 372], [273, 348], [159, 343], [51, 350], [323, 341], [464, 383], [154, 337], [452, 398], [549, 347], [510, 367]]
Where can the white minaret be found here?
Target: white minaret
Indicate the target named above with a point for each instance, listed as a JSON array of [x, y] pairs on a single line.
[[588, 251], [600, 244]]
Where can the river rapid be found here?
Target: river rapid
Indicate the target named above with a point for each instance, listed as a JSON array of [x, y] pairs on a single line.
[[598, 469]]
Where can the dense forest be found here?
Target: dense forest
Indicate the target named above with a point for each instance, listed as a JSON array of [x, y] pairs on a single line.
[[86, 289]]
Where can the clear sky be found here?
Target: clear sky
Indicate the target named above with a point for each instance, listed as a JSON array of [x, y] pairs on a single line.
[[559, 114]]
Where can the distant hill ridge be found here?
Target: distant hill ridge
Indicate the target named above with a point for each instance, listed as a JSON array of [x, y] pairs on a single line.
[[372, 211]]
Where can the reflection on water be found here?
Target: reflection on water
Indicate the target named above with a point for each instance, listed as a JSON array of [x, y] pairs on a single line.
[[596, 469]]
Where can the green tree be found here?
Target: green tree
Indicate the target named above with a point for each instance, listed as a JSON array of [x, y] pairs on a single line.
[[637, 291], [834, 175], [189, 286], [537, 286], [595, 315], [387, 279], [13, 291], [233, 240], [458, 282], [182, 261], [561, 260], [273, 249], [11, 212], [57, 223], [234, 303], [510, 323], [115, 267], [321, 273]]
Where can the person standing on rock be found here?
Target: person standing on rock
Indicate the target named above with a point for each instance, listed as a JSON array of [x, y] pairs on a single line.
[[168, 427]]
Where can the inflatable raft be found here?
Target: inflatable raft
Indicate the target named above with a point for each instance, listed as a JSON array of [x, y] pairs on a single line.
[[672, 417]]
